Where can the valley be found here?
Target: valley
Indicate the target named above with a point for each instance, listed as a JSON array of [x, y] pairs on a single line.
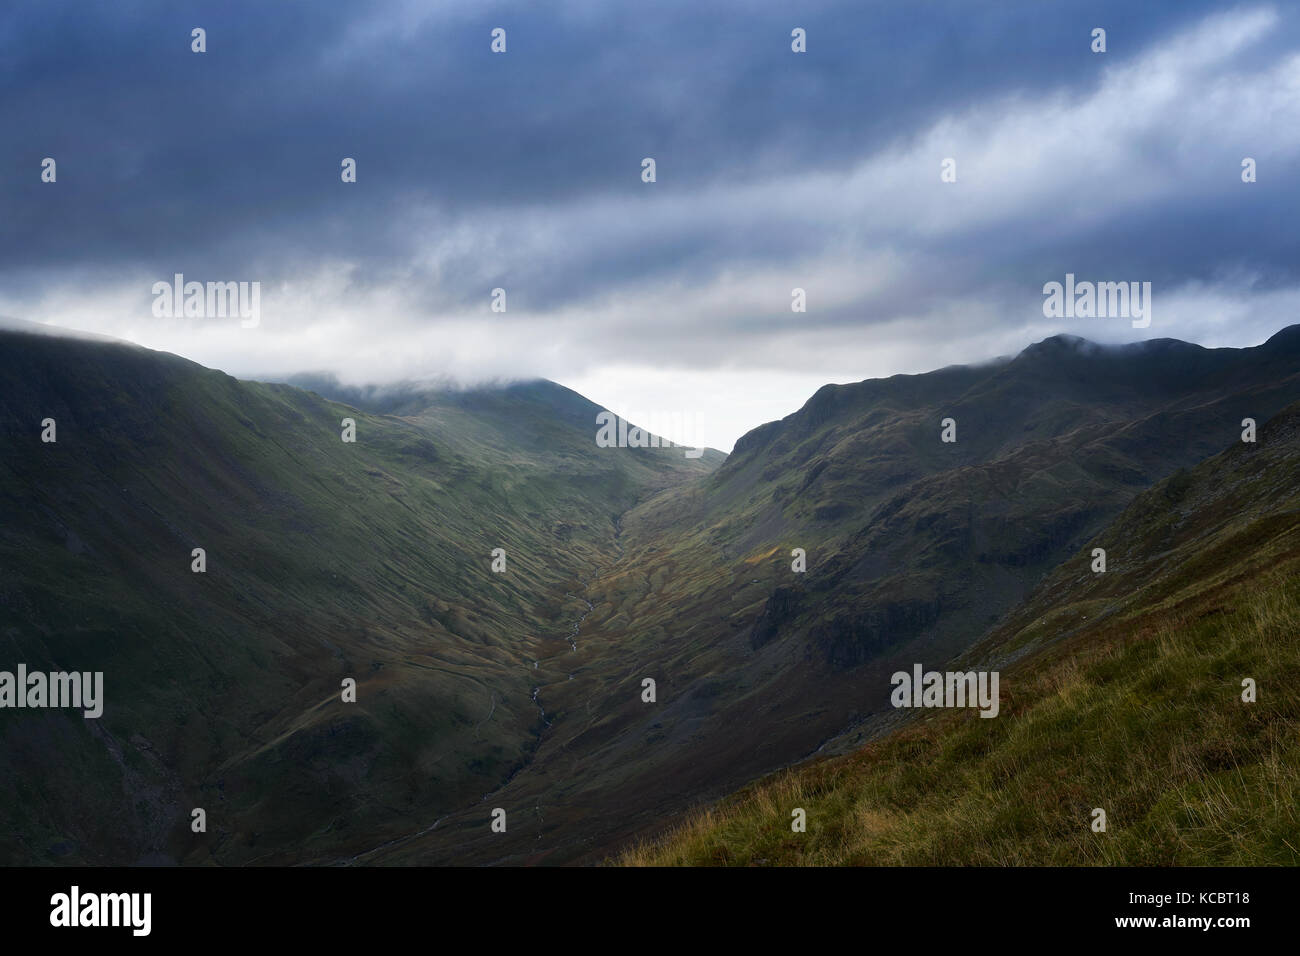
[[522, 689], [1160, 692]]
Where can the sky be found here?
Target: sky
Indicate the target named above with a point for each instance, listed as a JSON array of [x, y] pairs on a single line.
[[667, 301]]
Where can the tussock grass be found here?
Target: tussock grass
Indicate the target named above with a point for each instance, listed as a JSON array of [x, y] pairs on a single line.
[[1142, 718]]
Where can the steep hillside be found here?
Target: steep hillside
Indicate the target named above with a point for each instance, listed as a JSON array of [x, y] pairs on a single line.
[[915, 548], [325, 560], [1120, 690], [525, 690]]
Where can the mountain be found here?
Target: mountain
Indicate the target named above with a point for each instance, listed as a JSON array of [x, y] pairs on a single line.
[[325, 560], [527, 690], [915, 547], [1122, 691]]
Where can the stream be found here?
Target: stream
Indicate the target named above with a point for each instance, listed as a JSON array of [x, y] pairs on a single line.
[[573, 647]]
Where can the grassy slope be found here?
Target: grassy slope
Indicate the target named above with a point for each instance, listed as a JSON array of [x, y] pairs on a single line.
[[1120, 691], [914, 549], [377, 554], [325, 560]]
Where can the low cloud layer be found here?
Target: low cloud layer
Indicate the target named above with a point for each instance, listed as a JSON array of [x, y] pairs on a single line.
[[522, 171]]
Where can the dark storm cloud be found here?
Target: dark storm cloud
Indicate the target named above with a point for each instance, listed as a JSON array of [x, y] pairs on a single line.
[[522, 171], [217, 161]]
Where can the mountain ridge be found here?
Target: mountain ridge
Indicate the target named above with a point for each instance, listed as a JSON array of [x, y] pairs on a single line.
[[1157, 691], [372, 560], [914, 549]]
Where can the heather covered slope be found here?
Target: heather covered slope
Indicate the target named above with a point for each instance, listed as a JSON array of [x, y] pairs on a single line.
[[1120, 691], [325, 560]]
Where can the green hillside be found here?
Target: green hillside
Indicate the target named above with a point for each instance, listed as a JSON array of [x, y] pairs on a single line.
[[371, 560], [915, 550], [1120, 691], [325, 560]]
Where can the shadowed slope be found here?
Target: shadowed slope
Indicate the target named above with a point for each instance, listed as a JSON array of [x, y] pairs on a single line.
[[1120, 691], [915, 548], [325, 560]]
